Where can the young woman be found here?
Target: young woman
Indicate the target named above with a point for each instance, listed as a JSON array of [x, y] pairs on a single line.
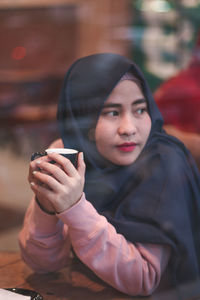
[[133, 216]]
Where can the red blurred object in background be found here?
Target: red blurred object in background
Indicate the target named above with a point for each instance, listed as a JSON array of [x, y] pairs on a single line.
[[179, 97]]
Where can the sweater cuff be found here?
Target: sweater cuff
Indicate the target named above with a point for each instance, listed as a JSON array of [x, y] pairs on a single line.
[[82, 216], [44, 223]]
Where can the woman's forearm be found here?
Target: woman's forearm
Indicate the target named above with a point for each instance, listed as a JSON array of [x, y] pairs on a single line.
[[43, 240], [132, 269]]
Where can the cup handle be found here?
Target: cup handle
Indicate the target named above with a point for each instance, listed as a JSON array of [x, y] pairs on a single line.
[[37, 155]]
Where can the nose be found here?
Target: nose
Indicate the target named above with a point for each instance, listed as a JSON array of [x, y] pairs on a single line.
[[127, 126]]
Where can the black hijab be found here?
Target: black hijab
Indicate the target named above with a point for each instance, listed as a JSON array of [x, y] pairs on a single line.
[[154, 200]]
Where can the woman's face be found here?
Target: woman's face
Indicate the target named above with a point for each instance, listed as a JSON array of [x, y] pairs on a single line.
[[124, 124]]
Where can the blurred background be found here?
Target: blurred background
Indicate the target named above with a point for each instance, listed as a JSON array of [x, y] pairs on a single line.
[[41, 38]]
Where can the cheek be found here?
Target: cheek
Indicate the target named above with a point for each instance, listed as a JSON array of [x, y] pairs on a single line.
[[103, 134], [99, 134], [101, 129], [146, 128]]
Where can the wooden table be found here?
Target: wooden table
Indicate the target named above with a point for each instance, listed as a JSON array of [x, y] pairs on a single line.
[[73, 282]]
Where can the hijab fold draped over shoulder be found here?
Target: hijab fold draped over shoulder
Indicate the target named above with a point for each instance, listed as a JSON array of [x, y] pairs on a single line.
[[154, 200]]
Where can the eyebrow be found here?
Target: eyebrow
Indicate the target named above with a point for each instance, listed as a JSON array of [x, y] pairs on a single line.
[[139, 101]]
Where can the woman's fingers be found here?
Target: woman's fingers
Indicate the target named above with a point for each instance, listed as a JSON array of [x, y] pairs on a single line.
[[81, 165], [50, 181], [64, 163], [34, 166], [60, 183], [58, 171]]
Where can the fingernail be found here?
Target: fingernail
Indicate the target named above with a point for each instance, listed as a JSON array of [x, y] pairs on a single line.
[[32, 183], [51, 154], [34, 172], [38, 162], [82, 156]]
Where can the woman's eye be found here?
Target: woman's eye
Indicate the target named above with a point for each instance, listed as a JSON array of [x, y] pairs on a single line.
[[112, 113], [140, 111]]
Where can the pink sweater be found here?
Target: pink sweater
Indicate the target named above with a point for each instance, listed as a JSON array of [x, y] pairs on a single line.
[[45, 243]]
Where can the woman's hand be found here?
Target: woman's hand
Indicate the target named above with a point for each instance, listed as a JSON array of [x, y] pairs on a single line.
[[34, 166], [57, 186]]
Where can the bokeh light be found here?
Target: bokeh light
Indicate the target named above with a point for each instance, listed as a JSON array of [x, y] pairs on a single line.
[[18, 53]]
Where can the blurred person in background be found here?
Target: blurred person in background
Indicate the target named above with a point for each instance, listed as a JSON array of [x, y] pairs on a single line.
[[179, 102]]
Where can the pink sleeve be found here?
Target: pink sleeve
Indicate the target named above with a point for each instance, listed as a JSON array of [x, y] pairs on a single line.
[[43, 240], [45, 245], [132, 269]]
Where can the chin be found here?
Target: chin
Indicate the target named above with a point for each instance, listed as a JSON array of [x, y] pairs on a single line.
[[124, 162]]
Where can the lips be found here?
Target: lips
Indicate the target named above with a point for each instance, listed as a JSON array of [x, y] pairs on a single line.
[[127, 147]]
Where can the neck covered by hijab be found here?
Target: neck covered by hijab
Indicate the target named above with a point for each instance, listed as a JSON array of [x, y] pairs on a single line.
[[156, 199]]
